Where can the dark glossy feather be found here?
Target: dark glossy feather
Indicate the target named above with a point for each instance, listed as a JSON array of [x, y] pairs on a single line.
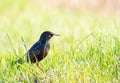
[[40, 49], [37, 52]]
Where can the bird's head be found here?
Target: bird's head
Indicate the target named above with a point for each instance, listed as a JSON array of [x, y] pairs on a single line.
[[47, 35]]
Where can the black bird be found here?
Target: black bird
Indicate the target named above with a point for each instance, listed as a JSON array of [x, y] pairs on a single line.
[[40, 49]]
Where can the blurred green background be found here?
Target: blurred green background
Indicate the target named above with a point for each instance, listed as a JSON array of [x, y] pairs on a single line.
[[88, 50], [28, 19]]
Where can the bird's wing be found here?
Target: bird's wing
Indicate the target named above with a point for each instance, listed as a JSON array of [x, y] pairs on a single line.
[[33, 52], [35, 49]]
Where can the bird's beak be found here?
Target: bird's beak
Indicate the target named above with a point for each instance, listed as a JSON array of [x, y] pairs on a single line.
[[56, 34]]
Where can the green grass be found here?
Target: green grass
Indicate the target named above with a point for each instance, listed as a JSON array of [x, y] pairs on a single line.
[[88, 50]]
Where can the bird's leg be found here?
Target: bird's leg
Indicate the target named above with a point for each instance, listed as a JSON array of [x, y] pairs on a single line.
[[37, 63], [39, 67]]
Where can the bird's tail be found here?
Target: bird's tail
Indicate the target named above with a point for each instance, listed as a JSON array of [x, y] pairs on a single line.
[[20, 61]]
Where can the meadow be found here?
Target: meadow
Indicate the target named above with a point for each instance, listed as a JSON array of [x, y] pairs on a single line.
[[88, 50]]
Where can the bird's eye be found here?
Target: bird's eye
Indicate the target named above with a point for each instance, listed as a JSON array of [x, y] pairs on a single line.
[[49, 36]]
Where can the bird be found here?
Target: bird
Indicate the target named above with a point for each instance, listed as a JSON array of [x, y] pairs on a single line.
[[40, 49]]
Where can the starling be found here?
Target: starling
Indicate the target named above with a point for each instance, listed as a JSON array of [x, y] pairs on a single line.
[[40, 49]]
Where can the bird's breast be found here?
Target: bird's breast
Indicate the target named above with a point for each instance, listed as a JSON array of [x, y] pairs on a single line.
[[46, 49]]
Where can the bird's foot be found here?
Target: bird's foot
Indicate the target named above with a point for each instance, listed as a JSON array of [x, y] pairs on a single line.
[[40, 69]]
